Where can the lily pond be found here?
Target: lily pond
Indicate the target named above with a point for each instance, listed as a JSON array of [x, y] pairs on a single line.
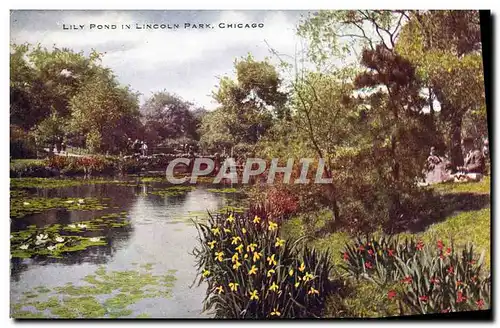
[[97, 248]]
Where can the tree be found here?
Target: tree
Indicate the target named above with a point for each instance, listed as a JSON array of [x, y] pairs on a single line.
[[43, 81], [167, 116], [105, 113], [248, 105], [446, 48]]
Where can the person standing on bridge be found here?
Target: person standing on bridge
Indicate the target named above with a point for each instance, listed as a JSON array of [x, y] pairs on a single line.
[[144, 149]]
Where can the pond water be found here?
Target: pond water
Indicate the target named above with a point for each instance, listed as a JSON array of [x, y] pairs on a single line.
[[157, 241]]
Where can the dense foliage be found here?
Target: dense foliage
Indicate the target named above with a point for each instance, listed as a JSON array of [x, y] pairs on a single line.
[[252, 273]]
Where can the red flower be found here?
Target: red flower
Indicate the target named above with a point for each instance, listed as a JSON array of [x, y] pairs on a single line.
[[460, 297], [448, 251], [434, 281], [420, 245], [391, 294], [445, 310], [346, 256], [424, 298], [440, 244], [370, 252], [361, 248], [407, 279], [480, 304], [450, 270], [390, 252], [368, 265]]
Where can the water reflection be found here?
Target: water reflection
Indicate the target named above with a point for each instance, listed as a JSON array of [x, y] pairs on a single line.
[[151, 237]]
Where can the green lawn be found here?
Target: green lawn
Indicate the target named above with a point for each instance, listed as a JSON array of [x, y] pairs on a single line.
[[481, 187]]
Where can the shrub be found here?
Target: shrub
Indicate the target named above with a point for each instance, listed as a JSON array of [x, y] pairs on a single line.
[[29, 168], [377, 259], [433, 279], [445, 282], [252, 273], [22, 143], [81, 165]]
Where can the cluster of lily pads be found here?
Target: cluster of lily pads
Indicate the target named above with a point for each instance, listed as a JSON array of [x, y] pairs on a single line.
[[100, 295], [54, 240], [172, 191], [20, 206]]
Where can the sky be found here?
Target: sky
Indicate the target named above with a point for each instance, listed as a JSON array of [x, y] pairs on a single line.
[[187, 62]]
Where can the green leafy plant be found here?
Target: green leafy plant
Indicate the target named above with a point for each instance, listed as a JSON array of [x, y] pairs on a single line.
[[376, 260], [445, 281], [252, 273], [426, 279]]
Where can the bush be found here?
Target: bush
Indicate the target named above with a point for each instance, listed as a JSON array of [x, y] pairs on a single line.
[[433, 279], [252, 273], [69, 165], [22, 144], [29, 168]]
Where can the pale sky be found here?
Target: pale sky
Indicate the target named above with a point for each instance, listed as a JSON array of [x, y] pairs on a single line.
[[183, 61]]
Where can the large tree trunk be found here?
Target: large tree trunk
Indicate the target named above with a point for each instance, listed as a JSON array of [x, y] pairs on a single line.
[[456, 155]]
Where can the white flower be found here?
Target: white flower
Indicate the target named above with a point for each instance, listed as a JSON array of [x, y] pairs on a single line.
[[40, 241], [94, 239], [26, 203], [72, 226], [24, 246], [70, 201], [82, 226], [59, 239], [51, 248], [42, 236], [81, 201]]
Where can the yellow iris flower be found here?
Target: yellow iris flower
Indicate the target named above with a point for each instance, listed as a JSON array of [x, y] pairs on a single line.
[[230, 219], [244, 230], [270, 272], [313, 291], [251, 247], [271, 260], [236, 265], [206, 273], [290, 273], [235, 240], [272, 226], [256, 219], [235, 257], [256, 256], [226, 230], [240, 248], [297, 284], [253, 270], [234, 286], [308, 276], [273, 287], [215, 231], [302, 267], [246, 256], [219, 289], [219, 256], [276, 312], [279, 242], [254, 295], [211, 244]]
